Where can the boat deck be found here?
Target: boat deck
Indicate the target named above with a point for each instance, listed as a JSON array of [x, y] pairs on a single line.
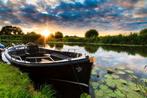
[[42, 56]]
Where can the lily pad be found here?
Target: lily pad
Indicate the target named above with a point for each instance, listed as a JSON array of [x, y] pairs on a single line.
[[110, 71], [124, 82], [115, 76], [120, 68], [108, 76], [129, 71], [119, 94], [120, 83], [121, 72]]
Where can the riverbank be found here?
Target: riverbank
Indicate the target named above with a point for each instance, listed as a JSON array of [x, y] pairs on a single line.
[[16, 84], [102, 44]]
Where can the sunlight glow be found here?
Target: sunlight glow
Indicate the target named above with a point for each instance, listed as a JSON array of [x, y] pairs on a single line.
[[46, 33]]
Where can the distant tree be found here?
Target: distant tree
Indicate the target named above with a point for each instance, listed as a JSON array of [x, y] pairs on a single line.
[[31, 37], [10, 30], [31, 33], [58, 35], [143, 32], [91, 33], [51, 35]]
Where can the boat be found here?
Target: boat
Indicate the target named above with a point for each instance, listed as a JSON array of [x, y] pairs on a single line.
[[2, 47], [39, 62]]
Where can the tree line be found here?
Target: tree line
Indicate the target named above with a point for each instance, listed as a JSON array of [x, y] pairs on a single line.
[[15, 33], [92, 36]]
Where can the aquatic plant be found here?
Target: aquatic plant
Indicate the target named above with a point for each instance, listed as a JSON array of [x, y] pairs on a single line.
[[85, 95], [119, 83]]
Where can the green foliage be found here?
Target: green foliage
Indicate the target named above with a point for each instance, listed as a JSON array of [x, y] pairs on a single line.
[[31, 37], [58, 35], [47, 92], [74, 39], [133, 38], [11, 30], [118, 85], [143, 32], [85, 95], [14, 84], [91, 36], [15, 35], [91, 33]]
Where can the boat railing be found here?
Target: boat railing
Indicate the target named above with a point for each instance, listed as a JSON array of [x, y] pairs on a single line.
[[17, 47], [42, 57], [15, 57], [77, 54], [72, 50]]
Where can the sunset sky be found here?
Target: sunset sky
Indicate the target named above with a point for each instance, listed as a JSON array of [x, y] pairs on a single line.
[[74, 17]]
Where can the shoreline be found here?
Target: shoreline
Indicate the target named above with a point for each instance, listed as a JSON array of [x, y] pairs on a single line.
[[101, 44]]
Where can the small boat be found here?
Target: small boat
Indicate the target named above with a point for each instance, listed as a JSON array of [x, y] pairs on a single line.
[[2, 47], [45, 63]]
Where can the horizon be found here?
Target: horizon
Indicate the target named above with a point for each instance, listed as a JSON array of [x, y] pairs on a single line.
[[75, 17]]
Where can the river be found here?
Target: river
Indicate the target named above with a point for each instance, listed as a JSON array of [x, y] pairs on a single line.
[[131, 62], [133, 58]]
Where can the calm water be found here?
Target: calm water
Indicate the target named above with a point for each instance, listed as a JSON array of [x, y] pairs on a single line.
[[134, 58]]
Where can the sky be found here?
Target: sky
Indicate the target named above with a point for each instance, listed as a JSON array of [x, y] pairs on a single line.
[[75, 17]]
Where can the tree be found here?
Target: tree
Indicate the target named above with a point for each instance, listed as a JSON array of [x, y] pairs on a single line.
[[10, 30], [17, 31], [58, 35], [31, 37], [31, 33], [143, 32], [91, 33]]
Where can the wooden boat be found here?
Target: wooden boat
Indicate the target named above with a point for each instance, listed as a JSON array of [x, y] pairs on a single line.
[[44, 63]]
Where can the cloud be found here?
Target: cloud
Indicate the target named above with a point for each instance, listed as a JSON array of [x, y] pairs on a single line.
[[99, 14], [127, 3], [141, 12]]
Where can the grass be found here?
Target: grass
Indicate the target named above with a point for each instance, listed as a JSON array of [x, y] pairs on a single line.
[[14, 84]]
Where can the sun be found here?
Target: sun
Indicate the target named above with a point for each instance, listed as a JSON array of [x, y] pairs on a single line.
[[46, 33]]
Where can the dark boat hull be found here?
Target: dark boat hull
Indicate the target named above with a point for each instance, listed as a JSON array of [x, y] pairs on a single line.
[[77, 71]]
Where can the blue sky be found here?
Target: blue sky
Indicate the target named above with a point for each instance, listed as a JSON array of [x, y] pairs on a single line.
[[74, 17]]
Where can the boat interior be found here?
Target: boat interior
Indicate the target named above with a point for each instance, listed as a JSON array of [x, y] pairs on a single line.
[[36, 54]]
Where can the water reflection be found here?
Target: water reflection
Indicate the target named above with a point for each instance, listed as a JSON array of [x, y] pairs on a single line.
[[134, 58], [92, 49], [51, 45], [130, 50], [59, 46]]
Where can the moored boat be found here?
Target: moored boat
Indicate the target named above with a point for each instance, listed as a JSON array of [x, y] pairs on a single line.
[[44, 63], [2, 47]]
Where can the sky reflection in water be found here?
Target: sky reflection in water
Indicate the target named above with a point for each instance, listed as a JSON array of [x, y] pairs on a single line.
[[111, 58]]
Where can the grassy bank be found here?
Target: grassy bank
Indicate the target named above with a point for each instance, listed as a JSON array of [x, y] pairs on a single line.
[[14, 84]]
